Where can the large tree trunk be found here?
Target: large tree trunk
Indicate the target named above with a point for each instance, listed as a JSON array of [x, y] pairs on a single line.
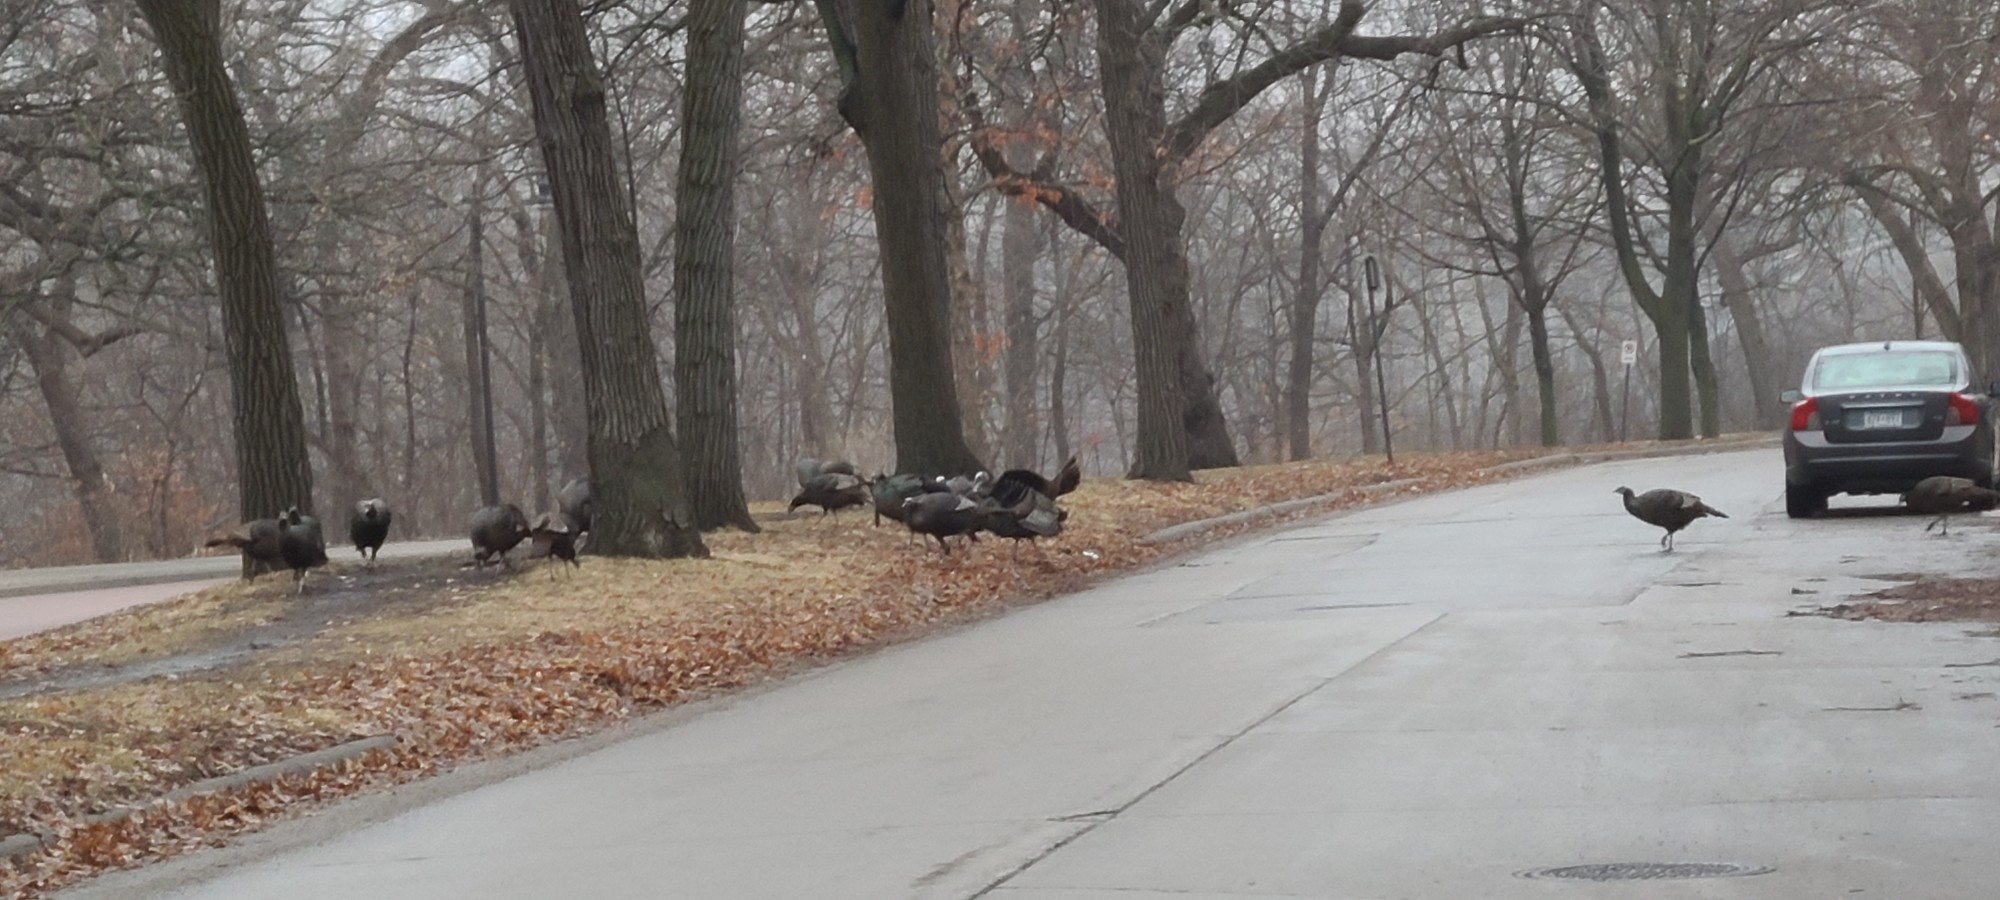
[[1545, 372], [972, 375], [1020, 246], [1130, 59], [1304, 309], [639, 508], [1534, 300], [1680, 305], [272, 468], [704, 255], [886, 51]]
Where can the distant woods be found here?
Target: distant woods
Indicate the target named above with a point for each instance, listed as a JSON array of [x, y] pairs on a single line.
[[259, 257]]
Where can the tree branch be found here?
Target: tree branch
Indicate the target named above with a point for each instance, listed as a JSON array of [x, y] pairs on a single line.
[[1223, 98], [1910, 246], [838, 17], [1066, 203], [1177, 21]]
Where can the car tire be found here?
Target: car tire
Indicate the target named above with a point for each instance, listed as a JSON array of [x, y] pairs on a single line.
[[1801, 502]]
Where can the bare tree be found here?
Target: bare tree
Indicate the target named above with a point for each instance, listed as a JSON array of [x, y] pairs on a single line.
[[886, 51], [273, 471], [1662, 120], [637, 491], [704, 249], [1512, 178], [1181, 422], [1930, 171]]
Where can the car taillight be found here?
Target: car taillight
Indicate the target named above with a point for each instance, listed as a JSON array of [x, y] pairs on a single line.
[[1960, 410], [1805, 415]]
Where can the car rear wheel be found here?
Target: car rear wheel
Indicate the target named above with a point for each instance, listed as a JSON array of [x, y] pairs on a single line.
[[1801, 502]]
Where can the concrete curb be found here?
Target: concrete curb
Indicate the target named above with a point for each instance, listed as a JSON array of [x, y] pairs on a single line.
[[1184, 530], [18, 844]]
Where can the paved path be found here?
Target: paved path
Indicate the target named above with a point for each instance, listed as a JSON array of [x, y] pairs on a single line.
[[39, 612], [1417, 701], [33, 600]]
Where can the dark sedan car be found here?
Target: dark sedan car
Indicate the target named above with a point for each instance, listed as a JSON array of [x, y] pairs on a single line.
[[1877, 418]]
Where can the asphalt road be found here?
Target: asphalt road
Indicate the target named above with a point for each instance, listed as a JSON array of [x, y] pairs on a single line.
[[1419, 701], [33, 600]]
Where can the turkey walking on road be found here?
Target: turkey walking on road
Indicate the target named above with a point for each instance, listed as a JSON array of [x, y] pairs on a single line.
[[1668, 509], [1942, 495], [368, 528]]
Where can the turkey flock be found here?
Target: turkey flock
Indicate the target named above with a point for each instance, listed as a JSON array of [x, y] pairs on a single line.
[[293, 540], [1019, 505]]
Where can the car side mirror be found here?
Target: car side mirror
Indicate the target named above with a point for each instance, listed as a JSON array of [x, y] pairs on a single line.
[[1794, 396]]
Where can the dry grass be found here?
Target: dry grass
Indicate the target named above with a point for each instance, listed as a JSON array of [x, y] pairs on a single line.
[[461, 664]]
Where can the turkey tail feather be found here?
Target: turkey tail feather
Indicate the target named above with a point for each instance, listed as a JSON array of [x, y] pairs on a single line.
[[1070, 476]]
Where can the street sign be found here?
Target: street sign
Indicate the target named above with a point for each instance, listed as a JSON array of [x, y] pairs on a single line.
[[1628, 352]]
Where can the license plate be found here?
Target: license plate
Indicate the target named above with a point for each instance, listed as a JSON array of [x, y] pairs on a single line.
[[1882, 418]]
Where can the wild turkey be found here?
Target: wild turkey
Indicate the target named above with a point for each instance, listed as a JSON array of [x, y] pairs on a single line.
[[574, 503], [1066, 480], [809, 469], [303, 544], [831, 492], [941, 514], [975, 486], [889, 492], [496, 530], [1032, 516], [1668, 509], [260, 540], [1022, 505], [1942, 495], [368, 528], [552, 537]]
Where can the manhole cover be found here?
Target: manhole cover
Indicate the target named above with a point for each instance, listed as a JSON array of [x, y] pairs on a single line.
[[1646, 871]]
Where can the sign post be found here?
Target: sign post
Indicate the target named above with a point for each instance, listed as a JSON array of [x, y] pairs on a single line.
[[1628, 355]]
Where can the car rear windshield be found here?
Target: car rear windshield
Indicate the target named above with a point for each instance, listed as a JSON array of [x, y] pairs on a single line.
[[1888, 368]]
